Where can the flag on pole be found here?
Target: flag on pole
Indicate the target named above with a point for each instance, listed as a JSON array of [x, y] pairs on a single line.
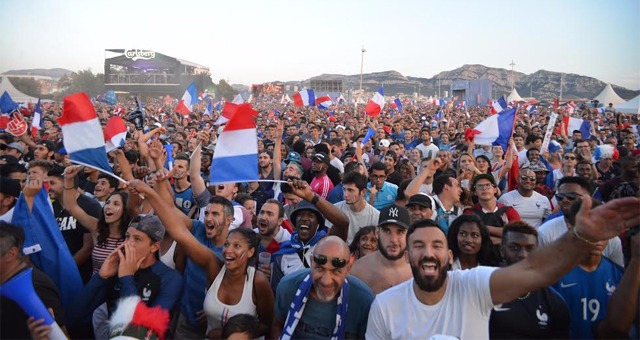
[[115, 133], [45, 245], [498, 105], [375, 104], [439, 115], [36, 123], [236, 156], [324, 102], [83, 137], [229, 110], [572, 124], [190, 97], [398, 103], [495, 130], [340, 99], [304, 98]]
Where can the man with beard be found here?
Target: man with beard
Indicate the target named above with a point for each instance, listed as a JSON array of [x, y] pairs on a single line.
[[570, 190], [532, 207], [539, 314], [458, 303], [269, 226], [359, 212], [181, 186], [387, 267], [323, 301], [309, 227]]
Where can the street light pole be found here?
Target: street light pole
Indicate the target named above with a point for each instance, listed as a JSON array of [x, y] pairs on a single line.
[[361, 66]]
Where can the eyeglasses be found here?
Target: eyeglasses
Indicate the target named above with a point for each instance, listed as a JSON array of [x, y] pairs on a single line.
[[569, 158], [336, 262], [571, 196], [483, 186], [531, 178]]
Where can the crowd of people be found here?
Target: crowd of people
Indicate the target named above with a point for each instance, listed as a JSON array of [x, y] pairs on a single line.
[[412, 233]]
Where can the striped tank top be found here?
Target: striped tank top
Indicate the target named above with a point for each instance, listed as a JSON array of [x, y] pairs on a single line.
[[102, 251]]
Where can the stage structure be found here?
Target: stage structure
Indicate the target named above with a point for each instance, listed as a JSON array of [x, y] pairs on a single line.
[[474, 91], [146, 72], [333, 88]]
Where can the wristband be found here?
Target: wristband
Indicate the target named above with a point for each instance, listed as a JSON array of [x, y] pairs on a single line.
[[315, 199], [575, 231]]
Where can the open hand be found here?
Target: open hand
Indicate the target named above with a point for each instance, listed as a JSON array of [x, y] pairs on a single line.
[[608, 220]]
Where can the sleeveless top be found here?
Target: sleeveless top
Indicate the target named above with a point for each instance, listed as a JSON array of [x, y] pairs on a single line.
[[102, 251], [167, 258], [219, 313]]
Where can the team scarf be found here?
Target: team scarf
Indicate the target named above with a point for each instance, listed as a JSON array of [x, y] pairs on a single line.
[[300, 301], [295, 245]]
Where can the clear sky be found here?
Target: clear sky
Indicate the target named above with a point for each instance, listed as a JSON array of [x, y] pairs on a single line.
[[258, 41]]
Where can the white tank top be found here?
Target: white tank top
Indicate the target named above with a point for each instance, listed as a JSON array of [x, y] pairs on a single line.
[[167, 258], [219, 313]]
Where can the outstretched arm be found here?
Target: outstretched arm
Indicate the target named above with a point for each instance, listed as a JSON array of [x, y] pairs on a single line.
[[414, 186], [548, 264], [70, 197]]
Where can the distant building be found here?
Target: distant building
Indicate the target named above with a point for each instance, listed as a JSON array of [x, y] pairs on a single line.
[[151, 73], [475, 92]]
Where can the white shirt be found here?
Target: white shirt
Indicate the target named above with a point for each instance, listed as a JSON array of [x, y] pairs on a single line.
[[367, 216], [8, 216], [555, 228], [532, 209], [430, 150], [337, 163], [557, 176], [463, 311]]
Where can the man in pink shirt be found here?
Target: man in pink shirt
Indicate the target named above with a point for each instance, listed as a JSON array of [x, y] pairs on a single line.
[[321, 184]]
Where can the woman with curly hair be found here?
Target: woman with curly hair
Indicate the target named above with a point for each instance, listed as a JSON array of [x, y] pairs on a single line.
[[470, 242]]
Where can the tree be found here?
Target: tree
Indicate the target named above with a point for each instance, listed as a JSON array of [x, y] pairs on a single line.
[[28, 86], [86, 81], [223, 89]]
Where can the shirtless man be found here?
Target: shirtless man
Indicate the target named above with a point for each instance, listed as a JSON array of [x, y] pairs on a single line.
[[387, 267]]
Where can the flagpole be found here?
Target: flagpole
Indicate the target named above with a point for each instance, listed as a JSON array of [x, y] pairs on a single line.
[[513, 128], [101, 170]]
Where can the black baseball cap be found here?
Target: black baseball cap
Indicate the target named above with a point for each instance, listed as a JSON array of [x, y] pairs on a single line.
[[394, 214], [420, 199]]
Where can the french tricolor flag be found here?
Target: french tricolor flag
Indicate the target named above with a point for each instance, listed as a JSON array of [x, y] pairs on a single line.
[[498, 105], [115, 133], [236, 156], [571, 124], [324, 102], [189, 98], [83, 139], [229, 110], [341, 99], [398, 103], [375, 104], [495, 130], [209, 109], [36, 122], [304, 98], [600, 110]]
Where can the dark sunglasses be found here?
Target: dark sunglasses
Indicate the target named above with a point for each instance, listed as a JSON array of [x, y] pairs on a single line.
[[571, 196], [336, 262], [569, 158], [531, 178]]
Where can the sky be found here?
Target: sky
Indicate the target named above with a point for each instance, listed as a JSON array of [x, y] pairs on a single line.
[[247, 42]]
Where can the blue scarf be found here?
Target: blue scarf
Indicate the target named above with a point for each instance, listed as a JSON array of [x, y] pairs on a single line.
[[300, 301], [294, 245]]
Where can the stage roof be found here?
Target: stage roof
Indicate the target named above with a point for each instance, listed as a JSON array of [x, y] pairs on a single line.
[[146, 59]]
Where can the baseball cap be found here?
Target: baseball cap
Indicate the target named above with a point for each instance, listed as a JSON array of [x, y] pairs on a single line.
[[394, 214], [9, 187], [538, 168], [483, 176], [48, 144], [293, 157], [421, 200], [384, 143], [9, 159], [16, 146], [150, 225], [321, 157]]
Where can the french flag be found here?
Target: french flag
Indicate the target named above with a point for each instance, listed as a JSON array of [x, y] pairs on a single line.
[[189, 98], [531, 109], [600, 110], [341, 99], [84, 140], [304, 98], [439, 115], [398, 103], [236, 156], [209, 109], [324, 102], [36, 123], [229, 110], [375, 104], [442, 102], [498, 105], [7, 106], [571, 124], [495, 130], [115, 133]]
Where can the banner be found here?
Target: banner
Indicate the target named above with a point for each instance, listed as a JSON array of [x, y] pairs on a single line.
[[547, 135]]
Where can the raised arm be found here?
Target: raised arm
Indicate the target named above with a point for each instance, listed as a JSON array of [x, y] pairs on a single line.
[[70, 197], [175, 226], [549, 263], [414, 186], [197, 183], [277, 154]]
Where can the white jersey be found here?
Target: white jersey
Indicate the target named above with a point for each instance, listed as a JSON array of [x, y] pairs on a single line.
[[532, 210], [368, 216], [555, 228], [463, 312]]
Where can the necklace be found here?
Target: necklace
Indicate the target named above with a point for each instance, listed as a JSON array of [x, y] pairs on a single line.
[[524, 297]]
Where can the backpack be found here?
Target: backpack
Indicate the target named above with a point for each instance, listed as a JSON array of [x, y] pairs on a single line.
[[493, 218]]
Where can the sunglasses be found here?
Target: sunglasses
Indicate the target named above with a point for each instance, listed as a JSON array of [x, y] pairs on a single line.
[[531, 178], [571, 196], [569, 158], [336, 262]]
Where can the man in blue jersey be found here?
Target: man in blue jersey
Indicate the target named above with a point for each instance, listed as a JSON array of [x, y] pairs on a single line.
[[182, 187]]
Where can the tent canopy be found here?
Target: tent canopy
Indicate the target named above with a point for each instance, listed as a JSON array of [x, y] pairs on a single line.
[[608, 95], [632, 106], [514, 96], [16, 95]]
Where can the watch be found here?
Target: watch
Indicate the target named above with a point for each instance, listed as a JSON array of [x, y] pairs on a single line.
[[315, 199]]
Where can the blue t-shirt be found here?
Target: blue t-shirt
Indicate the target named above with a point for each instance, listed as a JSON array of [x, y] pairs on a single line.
[[336, 194], [195, 283], [385, 196], [184, 200], [587, 295], [319, 319]]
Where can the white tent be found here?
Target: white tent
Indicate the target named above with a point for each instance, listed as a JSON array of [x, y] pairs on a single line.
[[514, 96], [632, 106], [608, 95], [16, 95]]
